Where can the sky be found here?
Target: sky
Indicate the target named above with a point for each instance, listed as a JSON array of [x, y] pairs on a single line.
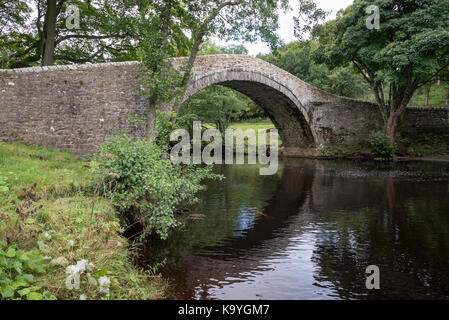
[[286, 29]]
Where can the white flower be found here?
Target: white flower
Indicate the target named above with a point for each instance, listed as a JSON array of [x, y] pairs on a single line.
[[47, 236], [105, 283], [71, 243], [83, 297]]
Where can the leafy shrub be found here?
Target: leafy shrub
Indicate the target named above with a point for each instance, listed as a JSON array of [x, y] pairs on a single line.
[[145, 187], [16, 273], [381, 145]]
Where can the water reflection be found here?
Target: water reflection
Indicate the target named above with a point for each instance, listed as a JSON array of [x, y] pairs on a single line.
[[310, 232]]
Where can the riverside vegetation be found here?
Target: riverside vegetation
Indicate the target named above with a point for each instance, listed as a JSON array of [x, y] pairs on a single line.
[[63, 217], [59, 213]]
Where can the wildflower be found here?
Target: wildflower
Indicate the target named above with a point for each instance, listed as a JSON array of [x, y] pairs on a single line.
[[105, 283], [71, 243], [47, 236]]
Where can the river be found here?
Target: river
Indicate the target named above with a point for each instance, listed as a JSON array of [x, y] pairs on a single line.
[[310, 232]]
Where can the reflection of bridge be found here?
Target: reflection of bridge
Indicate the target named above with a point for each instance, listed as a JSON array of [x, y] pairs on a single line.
[[76, 107], [300, 193], [338, 220]]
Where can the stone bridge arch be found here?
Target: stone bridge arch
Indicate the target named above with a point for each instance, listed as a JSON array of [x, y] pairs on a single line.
[[280, 104], [299, 110], [76, 107]]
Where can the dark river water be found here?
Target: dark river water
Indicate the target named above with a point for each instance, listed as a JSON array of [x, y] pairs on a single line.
[[311, 231]]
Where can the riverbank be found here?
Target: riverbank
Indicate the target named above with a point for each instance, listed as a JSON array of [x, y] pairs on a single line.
[[48, 205], [418, 147]]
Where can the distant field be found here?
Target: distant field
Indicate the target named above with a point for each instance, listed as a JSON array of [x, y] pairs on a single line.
[[253, 124], [256, 125], [437, 98]]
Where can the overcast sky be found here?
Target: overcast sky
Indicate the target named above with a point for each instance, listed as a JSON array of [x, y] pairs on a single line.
[[286, 30]]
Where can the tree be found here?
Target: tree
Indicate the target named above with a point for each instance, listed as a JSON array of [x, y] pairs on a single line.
[[410, 49], [104, 34], [217, 104], [201, 19], [296, 58], [12, 14], [238, 19]]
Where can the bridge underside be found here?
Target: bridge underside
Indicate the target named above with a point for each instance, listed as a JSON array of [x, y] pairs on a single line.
[[293, 128]]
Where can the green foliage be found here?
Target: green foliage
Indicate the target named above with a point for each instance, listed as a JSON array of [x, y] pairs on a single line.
[[68, 215], [297, 59], [21, 34], [209, 47], [145, 187], [17, 270], [410, 48], [382, 146], [426, 144], [218, 105]]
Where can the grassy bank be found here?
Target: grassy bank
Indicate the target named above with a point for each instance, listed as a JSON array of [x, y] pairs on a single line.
[[62, 219]]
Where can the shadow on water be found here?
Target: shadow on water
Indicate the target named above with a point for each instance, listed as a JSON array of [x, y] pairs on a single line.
[[310, 231]]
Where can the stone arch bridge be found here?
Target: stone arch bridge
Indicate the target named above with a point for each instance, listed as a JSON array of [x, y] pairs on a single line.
[[76, 107]]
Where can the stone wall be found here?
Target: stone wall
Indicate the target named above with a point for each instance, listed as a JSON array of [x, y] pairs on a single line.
[[71, 108], [75, 108], [432, 120]]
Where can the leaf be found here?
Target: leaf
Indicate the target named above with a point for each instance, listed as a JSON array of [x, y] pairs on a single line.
[[6, 292], [28, 277], [19, 282], [35, 296], [101, 273], [24, 292], [11, 253]]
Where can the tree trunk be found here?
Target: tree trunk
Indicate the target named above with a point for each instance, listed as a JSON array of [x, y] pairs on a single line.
[[428, 87], [447, 99], [390, 129], [400, 102], [186, 77], [150, 132], [49, 34]]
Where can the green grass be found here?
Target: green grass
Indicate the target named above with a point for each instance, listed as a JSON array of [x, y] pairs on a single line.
[[255, 124], [65, 207], [258, 124], [437, 97]]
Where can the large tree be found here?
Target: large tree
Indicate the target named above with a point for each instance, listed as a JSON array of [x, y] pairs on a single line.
[[105, 32], [248, 20], [410, 48]]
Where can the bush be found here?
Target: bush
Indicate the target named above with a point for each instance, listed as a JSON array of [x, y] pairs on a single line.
[[381, 145], [145, 187]]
